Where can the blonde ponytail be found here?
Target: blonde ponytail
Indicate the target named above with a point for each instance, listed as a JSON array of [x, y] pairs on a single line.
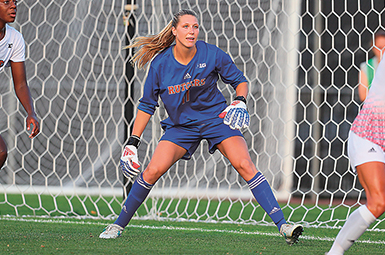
[[151, 45]]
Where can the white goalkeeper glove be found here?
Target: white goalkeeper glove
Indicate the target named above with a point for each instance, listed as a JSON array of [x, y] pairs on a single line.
[[129, 162], [235, 115]]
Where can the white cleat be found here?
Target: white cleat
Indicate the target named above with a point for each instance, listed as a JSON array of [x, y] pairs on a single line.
[[111, 231], [291, 232]]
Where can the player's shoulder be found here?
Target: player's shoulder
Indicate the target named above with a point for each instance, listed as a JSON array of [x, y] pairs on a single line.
[[13, 33], [202, 45], [211, 50]]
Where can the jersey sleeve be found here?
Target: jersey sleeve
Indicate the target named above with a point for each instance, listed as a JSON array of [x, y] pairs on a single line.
[[149, 101], [229, 72], [18, 54]]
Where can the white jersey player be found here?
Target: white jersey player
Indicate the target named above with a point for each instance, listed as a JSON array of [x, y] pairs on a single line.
[[12, 54], [366, 149]]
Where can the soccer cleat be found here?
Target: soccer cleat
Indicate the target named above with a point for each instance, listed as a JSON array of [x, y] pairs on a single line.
[[111, 231], [291, 232]]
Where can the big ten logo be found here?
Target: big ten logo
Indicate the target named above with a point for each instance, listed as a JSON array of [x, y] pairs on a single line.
[[201, 65]]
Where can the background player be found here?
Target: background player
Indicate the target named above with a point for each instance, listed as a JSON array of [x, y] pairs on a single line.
[[12, 53], [368, 68], [366, 149], [185, 77]]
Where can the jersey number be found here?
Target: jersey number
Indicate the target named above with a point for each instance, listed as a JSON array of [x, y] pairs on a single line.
[[186, 97]]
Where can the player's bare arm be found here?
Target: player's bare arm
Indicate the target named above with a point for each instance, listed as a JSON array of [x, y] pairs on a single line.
[[242, 89], [141, 121], [24, 95], [363, 85]]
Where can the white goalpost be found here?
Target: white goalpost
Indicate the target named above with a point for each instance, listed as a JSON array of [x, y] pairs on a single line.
[[301, 59]]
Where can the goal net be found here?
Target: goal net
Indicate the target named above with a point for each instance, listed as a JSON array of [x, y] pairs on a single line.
[[301, 58]]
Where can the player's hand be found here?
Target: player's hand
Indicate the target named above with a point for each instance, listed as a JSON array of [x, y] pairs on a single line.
[[235, 115], [129, 162], [32, 121]]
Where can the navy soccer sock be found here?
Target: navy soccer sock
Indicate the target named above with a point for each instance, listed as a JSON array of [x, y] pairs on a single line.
[[135, 198], [265, 197]]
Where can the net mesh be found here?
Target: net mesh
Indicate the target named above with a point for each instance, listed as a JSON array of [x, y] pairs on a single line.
[[302, 60]]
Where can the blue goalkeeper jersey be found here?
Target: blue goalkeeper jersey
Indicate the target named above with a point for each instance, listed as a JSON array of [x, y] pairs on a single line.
[[189, 92]]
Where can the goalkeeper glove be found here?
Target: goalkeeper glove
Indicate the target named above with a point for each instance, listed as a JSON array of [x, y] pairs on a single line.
[[129, 162], [235, 115]]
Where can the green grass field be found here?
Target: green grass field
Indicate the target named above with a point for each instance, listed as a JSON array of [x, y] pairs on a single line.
[[62, 236], [52, 231]]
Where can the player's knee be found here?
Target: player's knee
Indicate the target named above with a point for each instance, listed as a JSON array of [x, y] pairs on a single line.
[[244, 166], [381, 206], [377, 205], [152, 174]]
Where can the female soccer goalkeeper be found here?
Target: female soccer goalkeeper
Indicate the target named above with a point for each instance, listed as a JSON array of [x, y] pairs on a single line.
[[185, 76], [366, 149], [12, 54]]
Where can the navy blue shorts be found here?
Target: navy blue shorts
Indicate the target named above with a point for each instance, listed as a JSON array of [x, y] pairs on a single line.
[[189, 137]]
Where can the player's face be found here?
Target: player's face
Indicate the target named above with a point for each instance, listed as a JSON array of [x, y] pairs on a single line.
[[186, 31], [380, 46], [7, 11]]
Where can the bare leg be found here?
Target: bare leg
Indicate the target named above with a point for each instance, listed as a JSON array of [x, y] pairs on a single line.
[[372, 179], [3, 152], [165, 155], [236, 151]]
